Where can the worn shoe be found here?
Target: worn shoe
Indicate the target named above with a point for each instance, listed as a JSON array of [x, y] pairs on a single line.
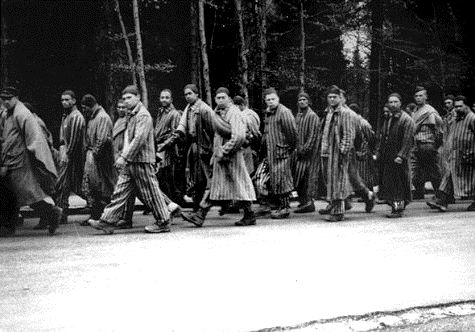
[[471, 207], [394, 214], [248, 220], [437, 205], [124, 224], [157, 228], [263, 211], [326, 210], [193, 218], [370, 202], [280, 214], [53, 219], [335, 218], [305, 208], [102, 226]]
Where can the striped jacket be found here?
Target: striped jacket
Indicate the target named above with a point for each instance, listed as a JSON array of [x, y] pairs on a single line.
[[429, 125], [165, 124], [340, 141], [304, 157], [141, 147], [461, 162], [280, 137], [230, 180]]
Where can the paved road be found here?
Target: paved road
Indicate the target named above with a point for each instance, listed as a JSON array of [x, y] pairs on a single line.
[[224, 278]]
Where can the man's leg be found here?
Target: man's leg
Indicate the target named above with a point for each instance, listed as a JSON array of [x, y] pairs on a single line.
[[337, 211], [50, 212], [249, 217], [359, 186], [418, 179]]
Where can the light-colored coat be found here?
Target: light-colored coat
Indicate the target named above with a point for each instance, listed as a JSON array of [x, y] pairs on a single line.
[[230, 180]]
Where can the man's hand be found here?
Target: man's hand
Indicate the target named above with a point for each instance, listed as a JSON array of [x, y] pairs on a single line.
[[120, 163], [398, 160], [160, 147]]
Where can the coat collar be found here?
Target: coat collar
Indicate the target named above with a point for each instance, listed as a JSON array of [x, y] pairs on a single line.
[[136, 109]]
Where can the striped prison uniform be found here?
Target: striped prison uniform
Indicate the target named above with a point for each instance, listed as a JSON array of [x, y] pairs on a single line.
[[280, 139], [139, 171], [364, 155], [71, 143], [304, 157], [428, 135], [459, 177]]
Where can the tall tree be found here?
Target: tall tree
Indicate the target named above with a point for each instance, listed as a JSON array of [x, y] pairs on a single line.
[[204, 52], [195, 45], [262, 33], [130, 57], [375, 62], [4, 42], [140, 60], [302, 46], [242, 51]]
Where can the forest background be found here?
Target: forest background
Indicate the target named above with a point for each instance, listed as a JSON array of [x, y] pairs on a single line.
[[370, 48]]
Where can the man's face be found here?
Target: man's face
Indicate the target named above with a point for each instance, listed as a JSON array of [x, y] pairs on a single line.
[[303, 102], [333, 99], [121, 109], [165, 98], [130, 100], [459, 106], [221, 99], [67, 101], [394, 103], [448, 104], [420, 97], [190, 96], [9, 102], [86, 110], [272, 100]]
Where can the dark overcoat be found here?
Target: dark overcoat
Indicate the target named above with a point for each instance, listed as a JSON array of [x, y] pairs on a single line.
[[396, 140]]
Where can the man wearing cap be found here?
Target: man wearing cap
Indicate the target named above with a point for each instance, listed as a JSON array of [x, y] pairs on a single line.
[[26, 163], [71, 152], [279, 141], [230, 180], [137, 170], [99, 177], [428, 138], [196, 127], [336, 139], [304, 158], [459, 176]]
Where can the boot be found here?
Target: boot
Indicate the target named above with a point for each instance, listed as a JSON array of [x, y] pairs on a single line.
[[196, 218], [305, 207], [263, 210], [249, 217], [282, 213], [369, 203]]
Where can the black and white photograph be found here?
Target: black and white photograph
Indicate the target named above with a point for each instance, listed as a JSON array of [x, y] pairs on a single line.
[[237, 165]]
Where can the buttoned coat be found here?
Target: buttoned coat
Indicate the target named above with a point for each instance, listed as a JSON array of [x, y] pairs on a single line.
[[280, 139]]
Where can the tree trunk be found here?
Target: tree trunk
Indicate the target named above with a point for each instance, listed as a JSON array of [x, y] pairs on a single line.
[[242, 52], [127, 43], [140, 61], [195, 54], [262, 32], [4, 42], [109, 88], [375, 63], [204, 52], [302, 47]]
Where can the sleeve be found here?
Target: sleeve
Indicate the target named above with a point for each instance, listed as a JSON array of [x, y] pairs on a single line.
[[407, 139], [347, 134], [78, 127], [142, 128], [289, 128], [178, 133], [238, 133], [311, 133], [104, 135]]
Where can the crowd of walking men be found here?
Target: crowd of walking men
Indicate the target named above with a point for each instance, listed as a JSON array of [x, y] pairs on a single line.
[[226, 157]]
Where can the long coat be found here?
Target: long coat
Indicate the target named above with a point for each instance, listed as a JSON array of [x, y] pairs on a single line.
[[118, 135], [461, 160], [396, 140], [25, 153], [340, 140], [253, 135], [364, 153], [304, 157], [99, 175], [280, 137], [71, 143], [165, 124], [230, 180]]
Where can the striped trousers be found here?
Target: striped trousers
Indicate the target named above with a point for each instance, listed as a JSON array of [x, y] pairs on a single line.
[[137, 178]]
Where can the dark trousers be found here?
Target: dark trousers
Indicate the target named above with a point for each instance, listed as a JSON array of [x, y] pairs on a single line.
[[425, 167], [354, 177]]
